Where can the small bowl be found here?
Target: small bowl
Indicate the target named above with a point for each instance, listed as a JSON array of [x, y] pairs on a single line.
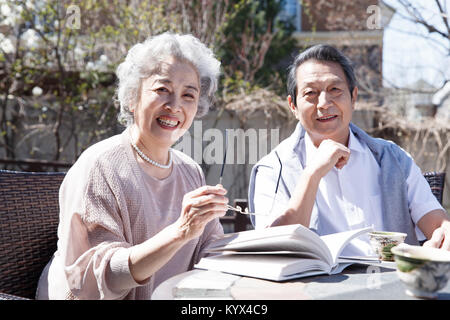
[[423, 270], [383, 241]]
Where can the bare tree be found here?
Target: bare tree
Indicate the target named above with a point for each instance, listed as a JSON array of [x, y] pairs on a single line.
[[420, 15], [57, 77]]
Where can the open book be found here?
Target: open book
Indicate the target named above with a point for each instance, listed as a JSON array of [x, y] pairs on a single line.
[[280, 253]]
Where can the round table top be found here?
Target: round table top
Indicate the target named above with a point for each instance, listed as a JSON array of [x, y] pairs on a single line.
[[360, 281]]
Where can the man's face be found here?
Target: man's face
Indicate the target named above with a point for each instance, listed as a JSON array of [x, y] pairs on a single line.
[[324, 104]]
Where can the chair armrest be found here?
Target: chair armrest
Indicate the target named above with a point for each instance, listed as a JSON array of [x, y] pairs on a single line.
[[7, 296]]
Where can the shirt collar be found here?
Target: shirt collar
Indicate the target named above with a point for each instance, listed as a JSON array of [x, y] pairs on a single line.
[[354, 144]]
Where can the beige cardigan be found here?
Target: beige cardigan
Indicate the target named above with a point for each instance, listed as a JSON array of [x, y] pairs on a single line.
[[108, 204]]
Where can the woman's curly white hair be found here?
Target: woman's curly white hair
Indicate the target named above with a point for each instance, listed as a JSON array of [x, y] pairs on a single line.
[[144, 60]]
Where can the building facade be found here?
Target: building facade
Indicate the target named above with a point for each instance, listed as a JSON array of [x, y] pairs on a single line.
[[354, 27]]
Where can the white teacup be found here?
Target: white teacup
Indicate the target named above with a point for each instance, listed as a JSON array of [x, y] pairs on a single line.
[[383, 241]]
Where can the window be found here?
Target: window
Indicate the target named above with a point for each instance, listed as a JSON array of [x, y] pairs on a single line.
[[292, 12]]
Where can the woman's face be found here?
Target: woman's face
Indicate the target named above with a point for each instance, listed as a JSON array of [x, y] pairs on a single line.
[[168, 103]]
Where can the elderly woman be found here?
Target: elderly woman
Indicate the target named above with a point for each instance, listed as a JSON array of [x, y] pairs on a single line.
[[133, 211]]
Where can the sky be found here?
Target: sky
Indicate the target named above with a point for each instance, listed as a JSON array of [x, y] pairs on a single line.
[[407, 57]]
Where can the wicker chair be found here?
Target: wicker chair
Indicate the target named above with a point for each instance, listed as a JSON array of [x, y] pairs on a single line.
[[436, 180], [29, 212]]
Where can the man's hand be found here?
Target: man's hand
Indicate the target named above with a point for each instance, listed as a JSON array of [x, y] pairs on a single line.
[[329, 154], [440, 237]]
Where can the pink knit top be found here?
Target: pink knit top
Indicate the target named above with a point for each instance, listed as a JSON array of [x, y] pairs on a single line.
[[108, 204]]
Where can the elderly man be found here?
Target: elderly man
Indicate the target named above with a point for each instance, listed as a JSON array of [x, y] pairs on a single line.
[[330, 176]]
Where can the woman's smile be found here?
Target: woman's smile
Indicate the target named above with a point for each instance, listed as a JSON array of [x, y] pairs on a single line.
[[168, 122]]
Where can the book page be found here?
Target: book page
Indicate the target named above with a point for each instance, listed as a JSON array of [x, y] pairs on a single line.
[[239, 238], [297, 254], [276, 244], [271, 267], [283, 238], [337, 241]]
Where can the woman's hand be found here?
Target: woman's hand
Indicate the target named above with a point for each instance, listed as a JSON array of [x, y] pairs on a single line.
[[198, 208]]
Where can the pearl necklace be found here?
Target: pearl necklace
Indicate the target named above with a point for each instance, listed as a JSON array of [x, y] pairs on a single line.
[[153, 162]]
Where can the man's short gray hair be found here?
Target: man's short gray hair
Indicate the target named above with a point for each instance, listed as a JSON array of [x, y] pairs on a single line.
[[320, 52], [144, 59]]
